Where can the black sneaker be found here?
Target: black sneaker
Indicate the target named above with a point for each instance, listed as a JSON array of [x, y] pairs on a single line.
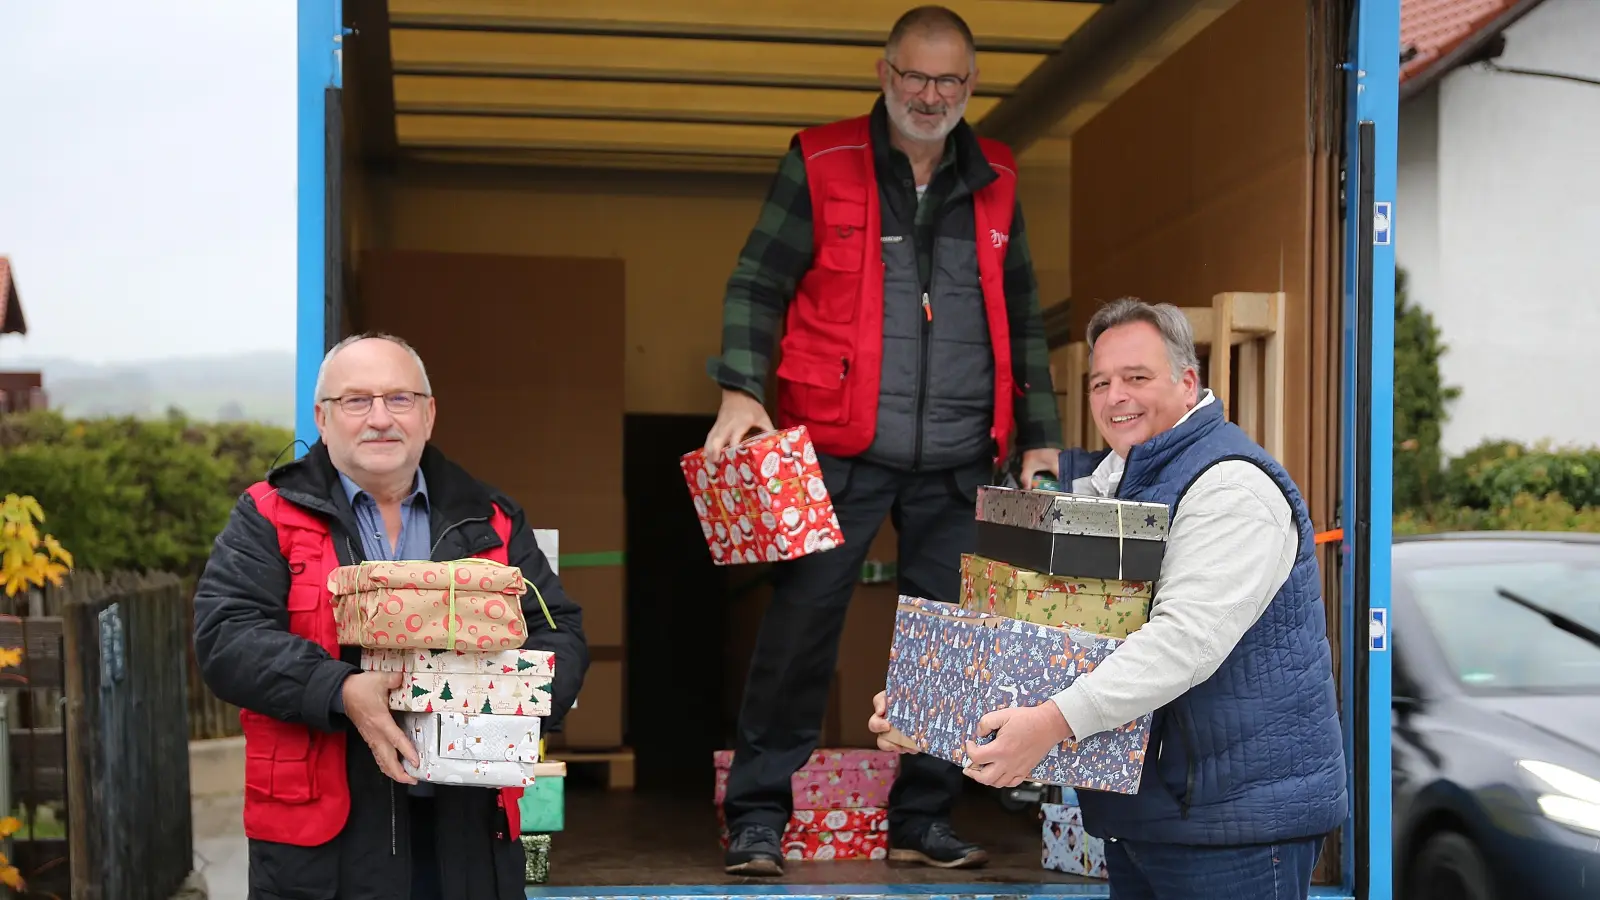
[[936, 845], [753, 850]]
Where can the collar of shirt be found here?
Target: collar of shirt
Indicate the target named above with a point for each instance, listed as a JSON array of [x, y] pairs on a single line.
[[1107, 476], [352, 491]]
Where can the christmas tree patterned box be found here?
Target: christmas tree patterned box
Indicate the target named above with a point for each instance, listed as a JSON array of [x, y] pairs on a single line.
[[949, 667], [529, 663], [763, 500], [1067, 847], [1098, 606], [503, 695]]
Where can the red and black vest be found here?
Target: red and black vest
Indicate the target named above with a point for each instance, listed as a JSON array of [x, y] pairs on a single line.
[[296, 789], [832, 353]]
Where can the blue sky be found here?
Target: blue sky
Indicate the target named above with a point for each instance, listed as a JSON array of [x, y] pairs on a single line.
[[147, 176]]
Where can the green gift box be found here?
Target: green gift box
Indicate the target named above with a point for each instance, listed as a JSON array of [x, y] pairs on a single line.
[[543, 804], [536, 858]]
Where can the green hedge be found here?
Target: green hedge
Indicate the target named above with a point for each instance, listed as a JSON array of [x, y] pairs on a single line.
[[1503, 485], [140, 494]]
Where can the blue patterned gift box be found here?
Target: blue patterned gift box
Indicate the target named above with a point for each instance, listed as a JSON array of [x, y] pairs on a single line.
[[948, 667]]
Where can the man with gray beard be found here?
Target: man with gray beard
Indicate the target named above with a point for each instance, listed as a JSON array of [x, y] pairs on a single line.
[[891, 249]]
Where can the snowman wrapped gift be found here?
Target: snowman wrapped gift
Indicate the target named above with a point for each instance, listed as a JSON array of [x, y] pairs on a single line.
[[763, 500]]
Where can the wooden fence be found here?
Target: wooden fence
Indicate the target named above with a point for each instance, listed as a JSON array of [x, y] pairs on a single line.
[[111, 755]]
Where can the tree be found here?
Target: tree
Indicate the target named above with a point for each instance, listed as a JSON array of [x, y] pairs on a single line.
[[1420, 401], [28, 559]]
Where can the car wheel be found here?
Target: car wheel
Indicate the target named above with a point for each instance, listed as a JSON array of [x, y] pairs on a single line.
[[1450, 868]]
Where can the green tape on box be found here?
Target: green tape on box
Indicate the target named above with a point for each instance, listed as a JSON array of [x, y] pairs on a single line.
[[593, 560]]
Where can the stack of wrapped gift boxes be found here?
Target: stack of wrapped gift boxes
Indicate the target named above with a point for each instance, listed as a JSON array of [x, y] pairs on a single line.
[[470, 698], [841, 800], [1057, 583]]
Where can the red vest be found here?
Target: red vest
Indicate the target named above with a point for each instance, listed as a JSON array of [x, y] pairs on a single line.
[[832, 348], [296, 790]]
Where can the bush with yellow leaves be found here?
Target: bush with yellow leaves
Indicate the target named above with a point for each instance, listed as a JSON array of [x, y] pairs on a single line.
[[27, 558], [9, 875]]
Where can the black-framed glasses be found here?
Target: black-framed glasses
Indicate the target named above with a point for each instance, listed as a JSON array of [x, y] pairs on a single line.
[[361, 404], [948, 86]]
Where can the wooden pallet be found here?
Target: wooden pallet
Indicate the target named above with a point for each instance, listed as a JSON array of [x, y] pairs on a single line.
[[618, 764], [1251, 322]]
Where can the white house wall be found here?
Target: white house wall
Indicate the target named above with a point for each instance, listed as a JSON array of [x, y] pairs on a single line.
[[1497, 221]]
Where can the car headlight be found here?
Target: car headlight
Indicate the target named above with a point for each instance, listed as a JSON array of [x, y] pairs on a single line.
[[1574, 798]]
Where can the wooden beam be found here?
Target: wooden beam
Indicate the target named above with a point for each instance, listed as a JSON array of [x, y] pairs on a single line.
[[996, 24], [593, 160], [685, 60], [649, 101], [764, 141]]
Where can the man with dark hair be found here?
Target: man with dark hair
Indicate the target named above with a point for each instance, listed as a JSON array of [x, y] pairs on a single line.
[[891, 248]]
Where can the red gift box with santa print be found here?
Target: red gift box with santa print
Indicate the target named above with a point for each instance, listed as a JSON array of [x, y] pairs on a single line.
[[831, 834], [763, 500]]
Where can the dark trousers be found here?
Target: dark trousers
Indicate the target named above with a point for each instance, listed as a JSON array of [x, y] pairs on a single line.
[[786, 691], [1141, 871]]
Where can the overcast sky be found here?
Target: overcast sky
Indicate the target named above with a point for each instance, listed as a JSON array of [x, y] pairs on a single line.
[[147, 176]]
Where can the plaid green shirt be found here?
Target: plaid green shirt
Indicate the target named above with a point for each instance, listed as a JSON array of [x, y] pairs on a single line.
[[778, 254]]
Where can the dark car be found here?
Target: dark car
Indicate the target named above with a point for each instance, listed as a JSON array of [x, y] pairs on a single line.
[[1496, 719]]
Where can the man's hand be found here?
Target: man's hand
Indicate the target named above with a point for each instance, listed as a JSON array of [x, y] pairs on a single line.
[[366, 703], [1025, 735], [1042, 460], [740, 414], [879, 724]]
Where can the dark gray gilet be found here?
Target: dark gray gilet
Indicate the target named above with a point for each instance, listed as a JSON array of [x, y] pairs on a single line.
[[936, 398]]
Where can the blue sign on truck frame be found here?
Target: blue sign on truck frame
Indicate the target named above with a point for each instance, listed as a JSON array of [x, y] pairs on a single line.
[[1366, 475]]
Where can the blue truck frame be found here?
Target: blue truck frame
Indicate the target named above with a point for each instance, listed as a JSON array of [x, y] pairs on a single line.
[[1367, 403]]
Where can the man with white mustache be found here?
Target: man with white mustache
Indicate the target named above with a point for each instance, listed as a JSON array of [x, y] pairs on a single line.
[[329, 811], [1244, 774], [891, 248]]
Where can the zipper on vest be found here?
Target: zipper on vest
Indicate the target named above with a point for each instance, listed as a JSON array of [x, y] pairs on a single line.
[[394, 836], [1188, 753], [924, 344]]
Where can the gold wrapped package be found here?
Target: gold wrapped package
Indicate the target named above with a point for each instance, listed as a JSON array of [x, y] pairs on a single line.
[[1111, 608]]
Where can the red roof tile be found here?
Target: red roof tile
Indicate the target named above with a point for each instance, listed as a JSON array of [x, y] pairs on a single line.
[[11, 321], [1435, 27]]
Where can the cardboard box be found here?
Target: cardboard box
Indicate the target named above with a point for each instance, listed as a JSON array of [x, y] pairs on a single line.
[[596, 722], [949, 667]]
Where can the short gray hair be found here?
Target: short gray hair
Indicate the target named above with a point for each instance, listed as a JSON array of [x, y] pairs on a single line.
[[1167, 319], [322, 370]]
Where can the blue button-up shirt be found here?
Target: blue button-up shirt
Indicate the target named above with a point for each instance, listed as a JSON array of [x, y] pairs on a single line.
[[416, 536], [416, 532]]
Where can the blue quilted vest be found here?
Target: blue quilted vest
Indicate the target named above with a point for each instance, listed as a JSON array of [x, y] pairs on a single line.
[[1254, 754]]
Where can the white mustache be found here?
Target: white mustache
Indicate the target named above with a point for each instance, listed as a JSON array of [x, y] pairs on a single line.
[[373, 434]]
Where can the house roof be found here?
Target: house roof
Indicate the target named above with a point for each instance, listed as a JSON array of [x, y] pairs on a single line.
[[11, 321], [1438, 35]]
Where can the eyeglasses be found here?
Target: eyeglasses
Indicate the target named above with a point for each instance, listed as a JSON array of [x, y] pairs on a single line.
[[948, 86], [361, 404]]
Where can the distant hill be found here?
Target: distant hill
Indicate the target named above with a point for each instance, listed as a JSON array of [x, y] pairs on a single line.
[[255, 387]]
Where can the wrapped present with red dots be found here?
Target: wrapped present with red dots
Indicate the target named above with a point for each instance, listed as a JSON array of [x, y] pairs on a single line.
[[763, 500], [466, 605]]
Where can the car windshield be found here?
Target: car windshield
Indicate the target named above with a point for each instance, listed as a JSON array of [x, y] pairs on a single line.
[[1494, 645]]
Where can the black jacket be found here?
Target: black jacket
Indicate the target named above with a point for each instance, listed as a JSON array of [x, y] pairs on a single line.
[[248, 658]]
